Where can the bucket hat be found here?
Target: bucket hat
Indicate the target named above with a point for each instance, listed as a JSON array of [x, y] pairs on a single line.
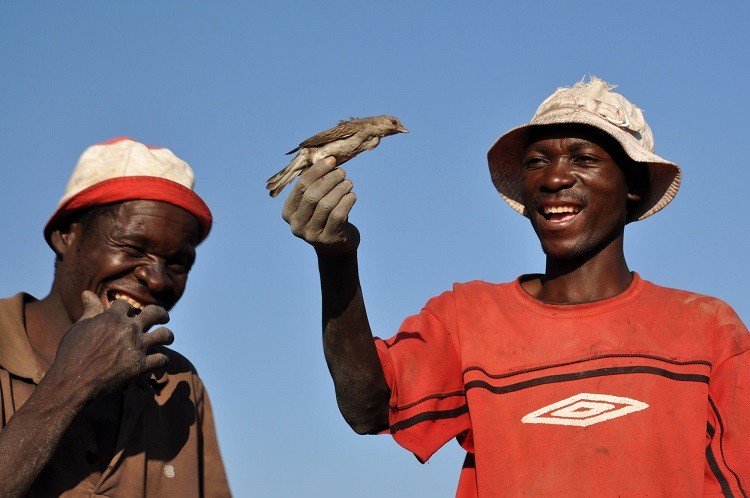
[[594, 104]]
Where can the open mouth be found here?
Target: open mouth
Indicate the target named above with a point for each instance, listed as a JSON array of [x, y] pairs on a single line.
[[112, 296], [558, 214]]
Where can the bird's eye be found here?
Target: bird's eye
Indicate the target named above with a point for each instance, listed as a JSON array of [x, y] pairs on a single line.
[[393, 122]]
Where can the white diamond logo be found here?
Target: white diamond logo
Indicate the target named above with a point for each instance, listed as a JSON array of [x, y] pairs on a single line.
[[584, 409]]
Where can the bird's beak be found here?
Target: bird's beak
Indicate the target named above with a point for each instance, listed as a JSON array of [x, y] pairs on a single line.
[[401, 129]]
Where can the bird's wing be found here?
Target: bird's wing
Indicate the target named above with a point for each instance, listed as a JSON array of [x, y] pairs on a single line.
[[343, 130]]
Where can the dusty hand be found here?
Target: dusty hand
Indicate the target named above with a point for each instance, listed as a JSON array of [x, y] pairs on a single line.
[[318, 207], [103, 350]]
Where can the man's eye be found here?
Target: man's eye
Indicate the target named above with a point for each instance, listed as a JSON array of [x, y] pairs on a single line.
[[134, 252], [179, 268], [586, 158], [533, 162]]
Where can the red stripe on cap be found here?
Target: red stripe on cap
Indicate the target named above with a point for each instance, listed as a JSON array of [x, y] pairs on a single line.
[[130, 188]]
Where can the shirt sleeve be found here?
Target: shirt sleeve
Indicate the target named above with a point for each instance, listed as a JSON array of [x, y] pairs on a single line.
[[422, 366], [728, 444], [214, 480]]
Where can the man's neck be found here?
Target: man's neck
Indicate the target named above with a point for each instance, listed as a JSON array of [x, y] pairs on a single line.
[[47, 322], [601, 276]]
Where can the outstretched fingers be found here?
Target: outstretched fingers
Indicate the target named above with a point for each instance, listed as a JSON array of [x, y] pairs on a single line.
[[152, 315], [147, 317], [161, 336]]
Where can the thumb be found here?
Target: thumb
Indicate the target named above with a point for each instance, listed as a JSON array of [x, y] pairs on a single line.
[[92, 306]]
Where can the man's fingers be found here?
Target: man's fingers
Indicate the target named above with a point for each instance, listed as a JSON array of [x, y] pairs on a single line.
[[300, 220], [92, 305], [120, 307], [158, 337], [337, 234], [339, 216], [156, 360], [308, 177], [318, 211], [151, 315], [319, 168], [147, 317], [330, 202]]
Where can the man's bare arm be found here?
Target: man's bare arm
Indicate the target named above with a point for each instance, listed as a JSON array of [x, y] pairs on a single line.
[[318, 212]]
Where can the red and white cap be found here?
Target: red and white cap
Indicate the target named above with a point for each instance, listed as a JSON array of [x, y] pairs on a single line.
[[122, 169]]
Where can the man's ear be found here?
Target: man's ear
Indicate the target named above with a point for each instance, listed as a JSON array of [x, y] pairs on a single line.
[[634, 197], [64, 237], [637, 179]]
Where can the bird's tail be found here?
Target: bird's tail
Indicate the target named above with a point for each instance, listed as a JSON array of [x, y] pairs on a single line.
[[277, 182]]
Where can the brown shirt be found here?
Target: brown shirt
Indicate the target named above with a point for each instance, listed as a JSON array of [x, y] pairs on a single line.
[[166, 445]]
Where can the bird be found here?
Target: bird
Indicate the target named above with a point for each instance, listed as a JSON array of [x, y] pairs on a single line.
[[343, 142]]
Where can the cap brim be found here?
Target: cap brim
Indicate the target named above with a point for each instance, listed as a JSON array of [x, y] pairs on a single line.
[[129, 188]]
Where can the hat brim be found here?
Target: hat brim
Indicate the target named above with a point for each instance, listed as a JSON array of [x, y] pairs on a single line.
[[129, 188], [505, 159]]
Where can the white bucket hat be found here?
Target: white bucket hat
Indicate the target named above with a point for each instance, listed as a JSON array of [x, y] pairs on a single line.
[[594, 104]]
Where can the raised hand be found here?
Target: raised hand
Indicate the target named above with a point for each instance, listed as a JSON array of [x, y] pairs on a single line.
[[318, 207], [105, 349]]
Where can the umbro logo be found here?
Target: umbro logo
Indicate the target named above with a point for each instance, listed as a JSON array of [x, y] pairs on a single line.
[[584, 409]]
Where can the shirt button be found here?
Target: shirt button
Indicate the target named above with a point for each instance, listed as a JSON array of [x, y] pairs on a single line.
[[169, 471]]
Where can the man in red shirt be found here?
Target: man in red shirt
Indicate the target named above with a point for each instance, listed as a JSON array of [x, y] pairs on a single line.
[[586, 380]]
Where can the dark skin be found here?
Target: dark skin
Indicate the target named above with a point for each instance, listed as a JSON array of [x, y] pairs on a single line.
[[577, 169], [573, 169], [115, 278]]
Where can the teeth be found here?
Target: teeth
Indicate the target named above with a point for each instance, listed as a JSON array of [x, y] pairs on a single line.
[[560, 209], [132, 302]]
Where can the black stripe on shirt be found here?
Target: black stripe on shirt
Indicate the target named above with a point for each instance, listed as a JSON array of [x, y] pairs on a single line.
[[712, 458], [584, 360], [545, 367], [434, 415], [586, 374], [714, 466]]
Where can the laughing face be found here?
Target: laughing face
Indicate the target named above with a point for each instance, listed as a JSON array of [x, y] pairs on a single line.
[[138, 251], [575, 191]]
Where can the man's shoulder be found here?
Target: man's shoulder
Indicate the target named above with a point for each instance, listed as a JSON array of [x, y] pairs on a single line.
[[681, 297], [178, 363], [472, 291], [179, 371], [479, 286], [12, 304], [695, 309], [472, 287]]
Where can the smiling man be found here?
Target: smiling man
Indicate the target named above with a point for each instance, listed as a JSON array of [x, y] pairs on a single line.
[[93, 403], [586, 380]]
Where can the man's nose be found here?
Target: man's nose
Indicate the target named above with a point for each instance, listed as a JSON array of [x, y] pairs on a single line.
[[155, 276], [557, 176]]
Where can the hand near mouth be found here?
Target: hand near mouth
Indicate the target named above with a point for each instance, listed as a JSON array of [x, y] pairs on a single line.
[[105, 349]]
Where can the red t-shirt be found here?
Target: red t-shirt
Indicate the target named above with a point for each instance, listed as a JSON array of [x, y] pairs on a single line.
[[645, 393]]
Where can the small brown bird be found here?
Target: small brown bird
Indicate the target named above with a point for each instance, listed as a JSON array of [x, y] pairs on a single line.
[[344, 141]]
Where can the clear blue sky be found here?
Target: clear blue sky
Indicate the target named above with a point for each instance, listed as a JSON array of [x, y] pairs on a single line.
[[232, 86]]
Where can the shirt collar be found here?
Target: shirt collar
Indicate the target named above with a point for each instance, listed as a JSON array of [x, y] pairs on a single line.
[[16, 354]]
